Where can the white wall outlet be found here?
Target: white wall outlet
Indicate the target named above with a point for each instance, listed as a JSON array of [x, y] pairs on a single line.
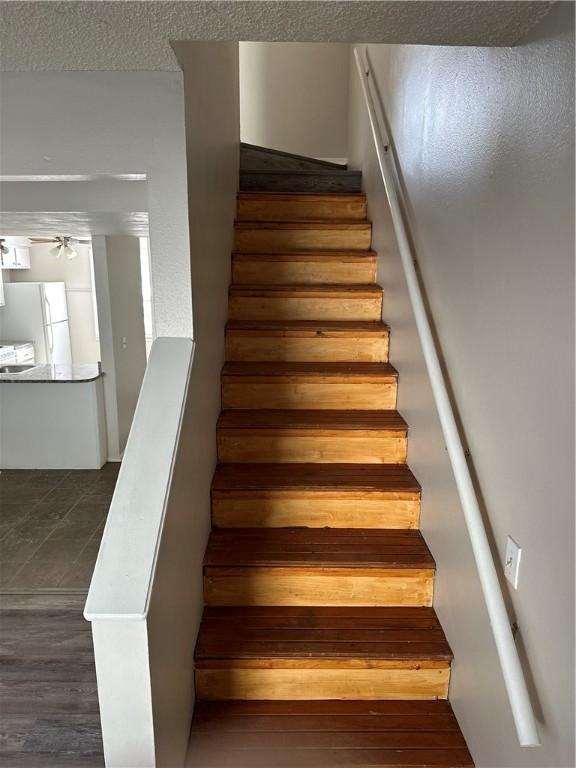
[[512, 561]]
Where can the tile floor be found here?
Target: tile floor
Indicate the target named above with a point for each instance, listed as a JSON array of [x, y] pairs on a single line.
[[51, 523]]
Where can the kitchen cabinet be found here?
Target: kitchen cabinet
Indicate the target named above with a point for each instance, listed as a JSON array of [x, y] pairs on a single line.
[[18, 257], [53, 417]]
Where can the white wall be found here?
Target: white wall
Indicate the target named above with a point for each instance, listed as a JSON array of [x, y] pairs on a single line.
[[294, 97], [484, 139], [111, 123], [212, 142], [76, 274], [121, 321]]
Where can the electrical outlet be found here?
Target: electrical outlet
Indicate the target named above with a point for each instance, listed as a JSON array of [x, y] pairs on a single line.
[[512, 561]]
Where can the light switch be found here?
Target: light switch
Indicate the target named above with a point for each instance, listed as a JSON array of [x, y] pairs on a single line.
[[512, 561]]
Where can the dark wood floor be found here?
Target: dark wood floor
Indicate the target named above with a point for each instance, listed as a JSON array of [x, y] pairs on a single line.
[[50, 529], [48, 697]]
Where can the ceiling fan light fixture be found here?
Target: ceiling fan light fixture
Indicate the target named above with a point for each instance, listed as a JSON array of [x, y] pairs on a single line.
[[63, 248]]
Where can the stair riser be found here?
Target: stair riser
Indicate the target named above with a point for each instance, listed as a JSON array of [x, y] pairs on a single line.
[[304, 308], [242, 348], [253, 181], [256, 272], [318, 586], [320, 509], [313, 394], [408, 683], [274, 240], [339, 446], [296, 210]]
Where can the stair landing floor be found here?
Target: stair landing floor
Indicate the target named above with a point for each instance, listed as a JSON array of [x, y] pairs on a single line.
[[326, 734]]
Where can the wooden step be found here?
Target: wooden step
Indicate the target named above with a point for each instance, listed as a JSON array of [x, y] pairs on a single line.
[[315, 496], [322, 436], [272, 236], [262, 206], [306, 341], [313, 180], [326, 734], [264, 632], [305, 302], [304, 268], [317, 566], [366, 386], [321, 653]]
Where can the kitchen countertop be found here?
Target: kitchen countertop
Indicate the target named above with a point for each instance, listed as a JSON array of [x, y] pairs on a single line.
[[55, 374], [16, 344]]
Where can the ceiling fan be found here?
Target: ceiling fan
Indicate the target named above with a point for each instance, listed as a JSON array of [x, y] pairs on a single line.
[[62, 245]]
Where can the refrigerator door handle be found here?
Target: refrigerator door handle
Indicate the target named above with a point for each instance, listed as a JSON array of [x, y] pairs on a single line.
[[48, 311], [50, 340]]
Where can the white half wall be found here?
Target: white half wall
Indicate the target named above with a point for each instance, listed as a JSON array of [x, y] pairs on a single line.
[[294, 97], [485, 144], [110, 124]]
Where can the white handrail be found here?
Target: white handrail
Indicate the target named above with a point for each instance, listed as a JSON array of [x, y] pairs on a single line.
[[514, 680], [124, 573]]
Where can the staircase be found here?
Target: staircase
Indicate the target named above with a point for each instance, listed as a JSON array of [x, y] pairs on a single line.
[[318, 646]]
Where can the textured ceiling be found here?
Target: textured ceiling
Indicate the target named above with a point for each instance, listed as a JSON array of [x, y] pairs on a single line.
[[135, 35]]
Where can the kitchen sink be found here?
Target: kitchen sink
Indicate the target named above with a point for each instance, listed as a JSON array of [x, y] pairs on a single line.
[[16, 368]]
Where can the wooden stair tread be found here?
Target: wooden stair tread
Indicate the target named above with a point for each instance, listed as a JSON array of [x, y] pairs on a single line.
[[304, 197], [380, 371], [294, 632], [385, 420], [317, 548], [336, 477], [329, 708], [317, 617], [309, 327], [326, 734], [289, 224], [318, 256], [282, 224], [336, 290], [318, 326]]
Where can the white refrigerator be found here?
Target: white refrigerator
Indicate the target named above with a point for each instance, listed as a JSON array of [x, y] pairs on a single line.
[[37, 312]]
